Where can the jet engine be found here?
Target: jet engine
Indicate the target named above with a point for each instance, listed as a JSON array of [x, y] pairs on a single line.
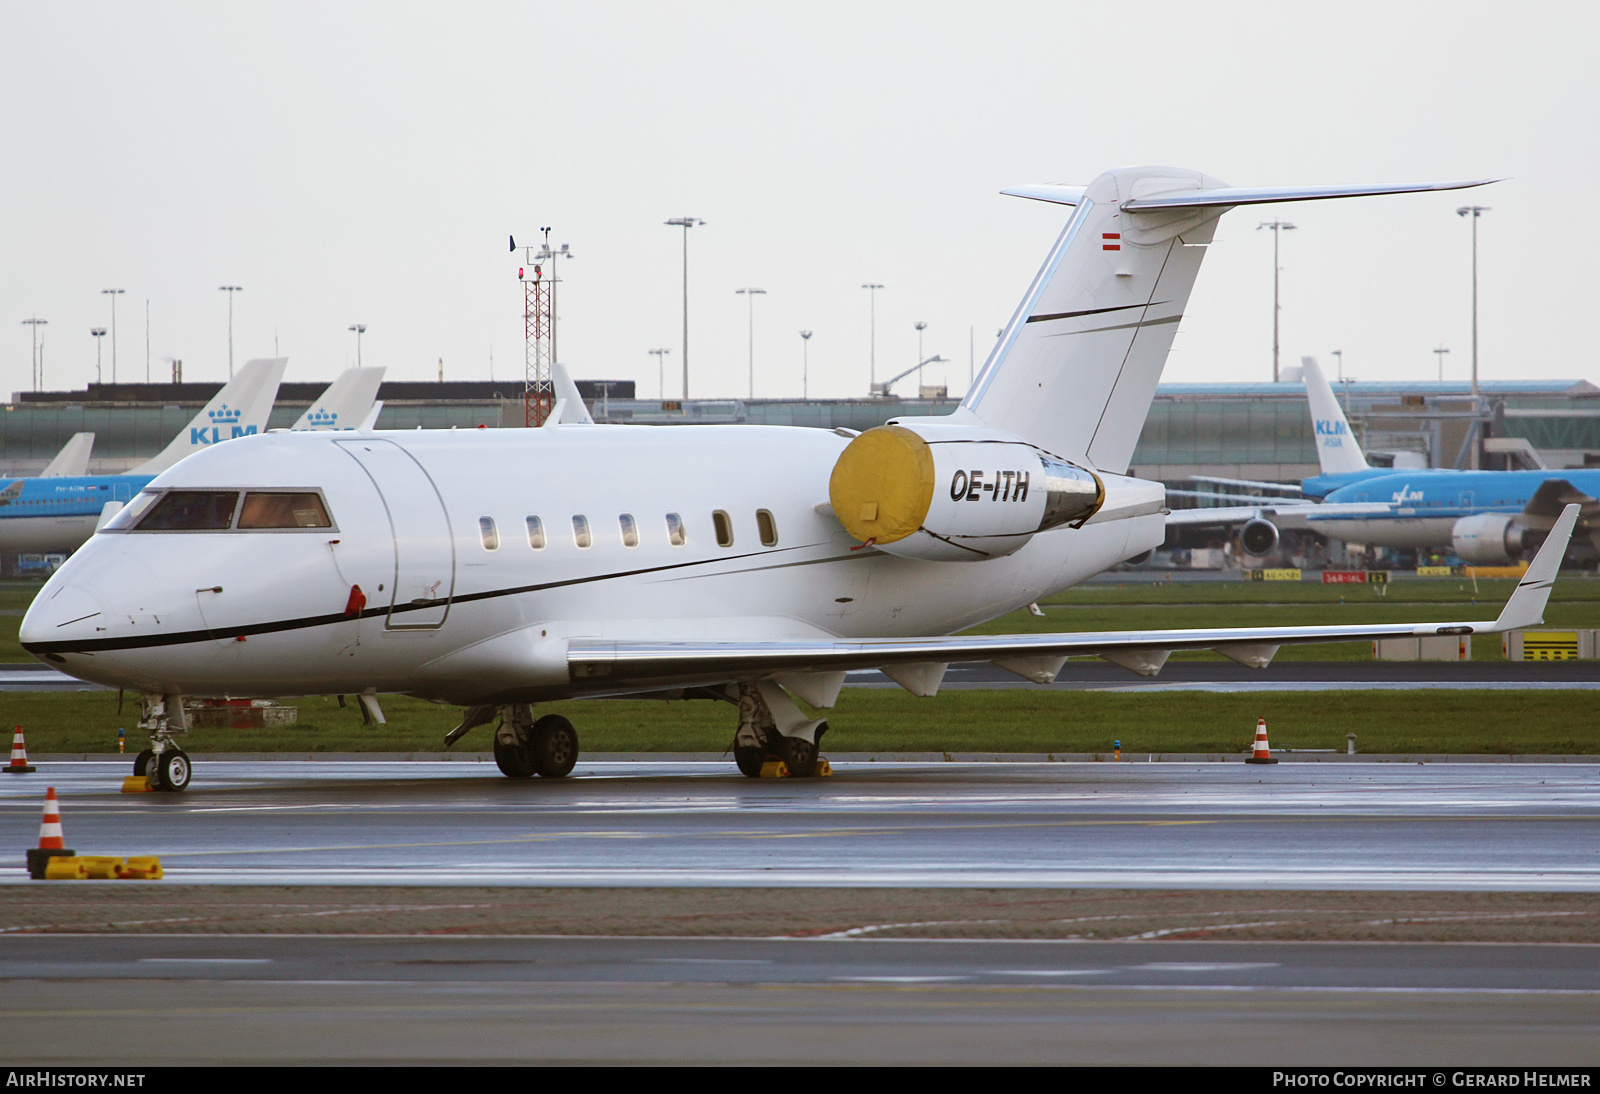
[[1258, 536], [1490, 537], [955, 493]]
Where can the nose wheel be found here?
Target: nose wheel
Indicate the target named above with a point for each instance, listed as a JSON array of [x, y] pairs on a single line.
[[164, 765]]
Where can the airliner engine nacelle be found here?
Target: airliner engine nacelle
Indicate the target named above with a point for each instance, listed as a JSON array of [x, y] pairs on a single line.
[[1259, 536], [1489, 537], [955, 493]]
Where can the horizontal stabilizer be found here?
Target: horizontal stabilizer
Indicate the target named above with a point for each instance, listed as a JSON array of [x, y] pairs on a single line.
[[1230, 196], [1056, 195]]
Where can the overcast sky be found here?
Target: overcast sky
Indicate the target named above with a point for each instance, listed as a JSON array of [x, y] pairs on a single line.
[[365, 163]]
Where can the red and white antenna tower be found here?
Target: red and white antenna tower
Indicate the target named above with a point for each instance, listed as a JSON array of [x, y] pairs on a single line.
[[538, 277]]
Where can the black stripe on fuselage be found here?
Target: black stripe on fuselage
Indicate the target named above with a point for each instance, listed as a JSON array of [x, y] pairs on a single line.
[[178, 638]]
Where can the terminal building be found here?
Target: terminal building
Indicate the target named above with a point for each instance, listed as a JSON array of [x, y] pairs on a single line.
[[1230, 430]]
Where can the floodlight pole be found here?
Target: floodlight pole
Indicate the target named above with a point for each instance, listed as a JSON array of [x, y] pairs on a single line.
[[36, 323], [1438, 355], [872, 296], [750, 295], [360, 329], [805, 364], [113, 293], [661, 369], [1278, 227], [99, 340], [230, 290], [685, 223]]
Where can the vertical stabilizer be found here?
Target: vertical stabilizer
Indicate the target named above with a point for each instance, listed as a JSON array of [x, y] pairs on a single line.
[[238, 410], [346, 403], [1337, 450], [73, 459], [1075, 370]]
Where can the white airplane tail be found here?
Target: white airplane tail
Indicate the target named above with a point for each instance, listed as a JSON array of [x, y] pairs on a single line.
[[1075, 370], [73, 459], [239, 409], [1337, 450], [345, 405]]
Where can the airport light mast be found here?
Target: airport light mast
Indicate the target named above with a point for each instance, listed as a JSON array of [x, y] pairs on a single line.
[[685, 223], [99, 340], [36, 323], [113, 293], [750, 295], [230, 290], [1278, 228], [661, 369], [872, 288], [805, 364]]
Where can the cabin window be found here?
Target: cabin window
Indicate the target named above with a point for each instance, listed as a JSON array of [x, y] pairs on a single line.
[[724, 526], [580, 532], [191, 511], [675, 529], [283, 510], [130, 513], [767, 527], [536, 533], [630, 530], [488, 533]]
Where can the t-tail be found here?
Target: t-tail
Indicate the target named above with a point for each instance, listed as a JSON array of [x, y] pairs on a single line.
[[239, 409], [1075, 370]]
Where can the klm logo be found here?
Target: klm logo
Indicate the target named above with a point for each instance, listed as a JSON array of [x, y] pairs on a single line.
[[1331, 432], [322, 419], [224, 426], [1406, 494]]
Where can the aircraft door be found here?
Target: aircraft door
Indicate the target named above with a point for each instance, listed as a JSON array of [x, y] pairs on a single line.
[[424, 576]]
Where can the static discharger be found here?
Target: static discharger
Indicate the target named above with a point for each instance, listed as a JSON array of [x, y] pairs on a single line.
[[1263, 751], [19, 764]]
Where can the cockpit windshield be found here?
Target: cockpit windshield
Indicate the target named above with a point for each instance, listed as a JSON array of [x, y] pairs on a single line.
[[222, 510]]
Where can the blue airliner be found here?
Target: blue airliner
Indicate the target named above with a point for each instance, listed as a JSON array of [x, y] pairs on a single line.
[[61, 513], [1481, 516]]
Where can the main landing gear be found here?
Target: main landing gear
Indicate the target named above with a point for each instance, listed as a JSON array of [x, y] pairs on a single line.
[[525, 747], [164, 765], [773, 727]]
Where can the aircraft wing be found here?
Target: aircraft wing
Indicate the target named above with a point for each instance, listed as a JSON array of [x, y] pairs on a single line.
[[1552, 497], [1289, 512], [603, 663]]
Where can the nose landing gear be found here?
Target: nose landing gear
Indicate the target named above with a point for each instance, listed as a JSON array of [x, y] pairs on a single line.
[[164, 765]]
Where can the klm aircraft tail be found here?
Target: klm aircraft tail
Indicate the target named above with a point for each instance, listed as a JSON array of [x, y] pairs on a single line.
[[239, 409], [1075, 370], [346, 403], [1337, 450]]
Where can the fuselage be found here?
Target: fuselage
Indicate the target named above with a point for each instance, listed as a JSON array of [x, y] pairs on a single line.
[[455, 564], [58, 513], [1428, 503]]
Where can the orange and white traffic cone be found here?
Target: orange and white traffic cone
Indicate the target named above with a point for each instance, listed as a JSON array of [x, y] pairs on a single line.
[[1263, 751], [19, 764], [52, 843]]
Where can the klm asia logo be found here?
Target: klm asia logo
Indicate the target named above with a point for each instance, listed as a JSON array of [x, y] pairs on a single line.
[[224, 426], [1405, 494], [1331, 433]]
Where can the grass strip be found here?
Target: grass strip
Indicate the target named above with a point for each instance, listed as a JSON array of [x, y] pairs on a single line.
[[884, 720]]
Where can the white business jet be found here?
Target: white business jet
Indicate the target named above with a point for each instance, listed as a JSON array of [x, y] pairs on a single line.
[[497, 569]]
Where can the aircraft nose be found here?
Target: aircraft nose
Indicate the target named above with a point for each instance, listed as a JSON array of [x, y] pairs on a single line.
[[61, 614]]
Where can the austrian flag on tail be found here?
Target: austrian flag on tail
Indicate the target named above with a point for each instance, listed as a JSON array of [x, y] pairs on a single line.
[[1111, 241]]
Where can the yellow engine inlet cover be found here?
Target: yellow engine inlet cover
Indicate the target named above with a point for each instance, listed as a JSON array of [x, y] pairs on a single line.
[[882, 486]]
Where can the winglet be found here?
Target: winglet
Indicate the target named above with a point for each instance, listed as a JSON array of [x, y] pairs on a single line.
[[1526, 606]]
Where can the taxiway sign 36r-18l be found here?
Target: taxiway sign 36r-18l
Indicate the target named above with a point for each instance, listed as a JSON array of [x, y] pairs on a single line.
[[498, 569]]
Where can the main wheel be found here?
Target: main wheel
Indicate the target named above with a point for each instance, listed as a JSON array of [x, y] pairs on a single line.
[[141, 762], [511, 752], [175, 770], [800, 754], [749, 760], [552, 746]]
